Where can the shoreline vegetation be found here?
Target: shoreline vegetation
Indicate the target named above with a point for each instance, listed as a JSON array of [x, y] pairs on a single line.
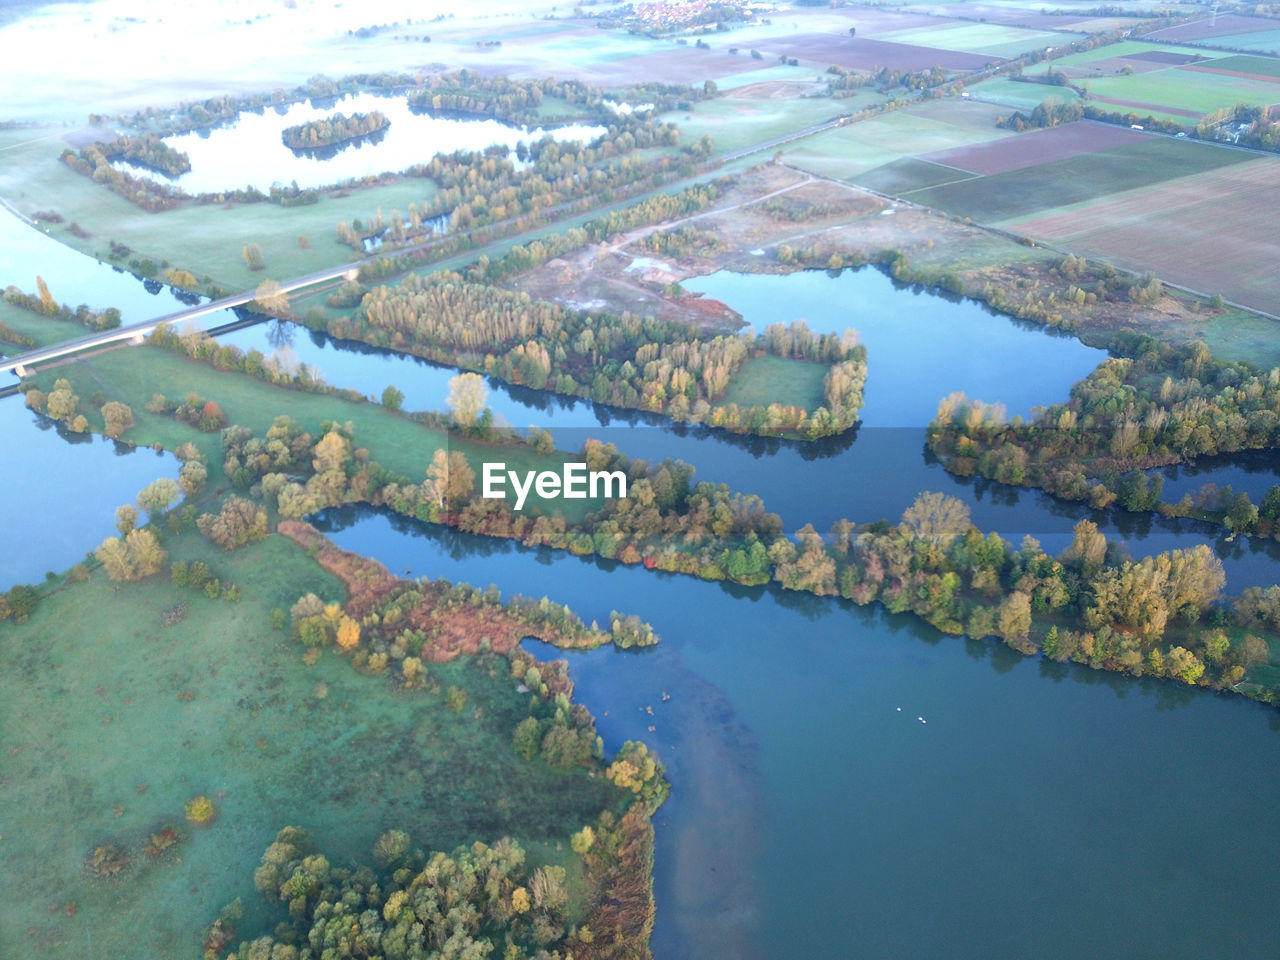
[[1155, 405], [1162, 616], [334, 129], [589, 891]]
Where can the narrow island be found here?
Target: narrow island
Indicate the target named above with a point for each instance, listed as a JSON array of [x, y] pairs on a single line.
[[333, 130]]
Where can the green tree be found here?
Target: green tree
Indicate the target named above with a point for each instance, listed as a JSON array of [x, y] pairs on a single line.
[[392, 398], [159, 496], [252, 254]]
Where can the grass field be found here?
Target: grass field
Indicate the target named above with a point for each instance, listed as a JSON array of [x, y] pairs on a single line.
[[132, 375], [908, 174], [766, 380], [1020, 193], [1025, 96], [848, 151], [207, 240], [1194, 90], [1262, 66], [122, 701], [737, 122], [43, 330], [1264, 41], [990, 39]]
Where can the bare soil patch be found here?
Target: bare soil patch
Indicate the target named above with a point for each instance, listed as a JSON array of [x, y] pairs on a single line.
[[1040, 146]]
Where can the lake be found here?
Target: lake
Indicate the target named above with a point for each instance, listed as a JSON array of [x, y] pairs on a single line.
[[1012, 807], [249, 152], [1039, 810]]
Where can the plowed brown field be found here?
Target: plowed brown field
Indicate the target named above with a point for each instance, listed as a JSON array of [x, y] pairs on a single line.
[[1215, 232]]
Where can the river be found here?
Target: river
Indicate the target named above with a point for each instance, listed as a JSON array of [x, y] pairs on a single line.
[[845, 782]]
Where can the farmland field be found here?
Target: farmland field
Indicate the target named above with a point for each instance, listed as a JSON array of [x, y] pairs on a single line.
[[1185, 89], [861, 53], [1264, 41], [986, 39], [910, 173], [848, 151], [1020, 94], [1037, 147], [1238, 65], [1059, 183], [1209, 232], [1218, 28]]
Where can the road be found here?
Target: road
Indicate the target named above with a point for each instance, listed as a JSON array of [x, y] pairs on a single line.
[[138, 331]]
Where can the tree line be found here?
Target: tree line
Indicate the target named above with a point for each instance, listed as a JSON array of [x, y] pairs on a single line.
[[1157, 404], [1161, 616], [643, 363], [43, 303], [147, 151]]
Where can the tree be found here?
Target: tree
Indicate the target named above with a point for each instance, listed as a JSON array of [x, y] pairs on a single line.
[[1253, 651], [271, 299], [467, 397], [62, 402], [239, 522], [1242, 514], [450, 478], [126, 519], [138, 555], [392, 398], [348, 633], [157, 497], [22, 600], [48, 305], [252, 254], [937, 518], [116, 417]]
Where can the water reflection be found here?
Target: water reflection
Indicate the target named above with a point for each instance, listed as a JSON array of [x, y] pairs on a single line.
[[249, 151], [874, 818]]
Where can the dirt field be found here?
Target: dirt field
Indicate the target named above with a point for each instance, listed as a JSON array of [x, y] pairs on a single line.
[[1040, 146], [862, 53], [1214, 232], [849, 222]]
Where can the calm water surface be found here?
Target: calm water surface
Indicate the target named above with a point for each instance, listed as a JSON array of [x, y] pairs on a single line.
[[809, 813], [249, 152], [1040, 810]]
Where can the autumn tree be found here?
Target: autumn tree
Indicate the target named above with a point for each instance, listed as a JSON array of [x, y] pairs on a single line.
[[252, 254], [467, 397], [450, 478], [126, 519], [48, 305], [138, 555], [159, 496], [239, 522], [271, 299], [62, 402], [937, 518], [116, 417]]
